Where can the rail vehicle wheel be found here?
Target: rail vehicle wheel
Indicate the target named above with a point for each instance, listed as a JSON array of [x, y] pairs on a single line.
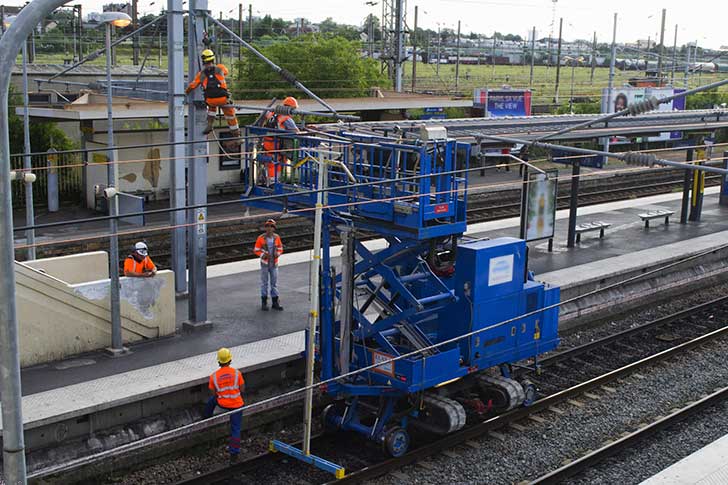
[[333, 409], [396, 442], [530, 392]]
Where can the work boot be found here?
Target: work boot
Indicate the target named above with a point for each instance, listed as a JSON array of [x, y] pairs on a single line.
[[210, 125], [264, 303], [275, 305], [234, 458]]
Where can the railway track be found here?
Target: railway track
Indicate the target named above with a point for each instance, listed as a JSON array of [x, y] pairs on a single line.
[[232, 241], [632, 439], [569, 375]]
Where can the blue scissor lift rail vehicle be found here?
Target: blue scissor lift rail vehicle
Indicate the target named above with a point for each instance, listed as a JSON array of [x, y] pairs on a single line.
[[428, 285]]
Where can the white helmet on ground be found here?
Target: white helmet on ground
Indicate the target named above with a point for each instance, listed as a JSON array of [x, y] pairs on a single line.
[[141, 248]]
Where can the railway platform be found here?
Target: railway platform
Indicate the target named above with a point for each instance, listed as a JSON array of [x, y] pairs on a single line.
[[157, 373], [707, 466]]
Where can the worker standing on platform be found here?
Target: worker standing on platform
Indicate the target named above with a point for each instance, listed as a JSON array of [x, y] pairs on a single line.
[[269, 247], [274, 150], [214, 85], [138, 264], [227, 386]]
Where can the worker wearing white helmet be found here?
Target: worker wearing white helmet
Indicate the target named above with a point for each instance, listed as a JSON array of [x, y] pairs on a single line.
[[138, 264]]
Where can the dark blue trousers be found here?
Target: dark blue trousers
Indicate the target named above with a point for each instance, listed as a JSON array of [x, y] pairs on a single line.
[[236, 423]]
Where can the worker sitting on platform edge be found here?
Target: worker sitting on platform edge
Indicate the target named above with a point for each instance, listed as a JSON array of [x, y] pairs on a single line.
[[275, 148], [138, 264], [214, 86], [227, 386], [269, 247]]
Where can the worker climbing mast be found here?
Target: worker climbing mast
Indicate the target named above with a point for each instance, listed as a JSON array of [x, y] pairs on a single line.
[[217, 96]]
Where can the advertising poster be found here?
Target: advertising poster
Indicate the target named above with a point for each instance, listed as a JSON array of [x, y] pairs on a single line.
[[622, 97], [541, 205], [503, 102]]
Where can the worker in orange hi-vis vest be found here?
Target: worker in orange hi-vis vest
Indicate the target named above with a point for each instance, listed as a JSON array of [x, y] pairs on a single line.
[[269, 247], [227, 385], [274, 150], [217, 96], [138, 264]]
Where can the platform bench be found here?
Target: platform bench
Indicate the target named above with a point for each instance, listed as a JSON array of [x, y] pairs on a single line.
[[229, 186], [591, 226], [656, 214]]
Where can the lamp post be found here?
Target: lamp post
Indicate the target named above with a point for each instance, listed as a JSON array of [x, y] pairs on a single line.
[[27, 165], [109, 20]]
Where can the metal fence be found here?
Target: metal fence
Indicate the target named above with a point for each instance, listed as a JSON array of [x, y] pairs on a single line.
[[45, 166]]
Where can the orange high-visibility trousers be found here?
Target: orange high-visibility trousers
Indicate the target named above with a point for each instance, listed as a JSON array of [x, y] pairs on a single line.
[[212, 106]]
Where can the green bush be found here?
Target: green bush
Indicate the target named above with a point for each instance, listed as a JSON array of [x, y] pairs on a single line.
[[330, 67]]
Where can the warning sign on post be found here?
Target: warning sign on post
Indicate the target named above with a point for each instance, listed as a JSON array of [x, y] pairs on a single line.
[[201, 218]]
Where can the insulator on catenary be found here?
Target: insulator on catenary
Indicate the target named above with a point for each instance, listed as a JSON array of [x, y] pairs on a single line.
[[282, 110], [643, 159], [649, 104], [288, 76]]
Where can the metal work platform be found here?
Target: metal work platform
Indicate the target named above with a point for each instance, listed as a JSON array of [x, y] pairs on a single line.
[[707, 466]]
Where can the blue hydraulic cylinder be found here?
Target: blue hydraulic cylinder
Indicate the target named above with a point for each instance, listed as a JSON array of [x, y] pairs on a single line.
[[724, 182], [326, 304]]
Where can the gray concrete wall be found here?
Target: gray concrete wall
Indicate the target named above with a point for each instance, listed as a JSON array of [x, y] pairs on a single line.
[[75, 268], [58, 320]]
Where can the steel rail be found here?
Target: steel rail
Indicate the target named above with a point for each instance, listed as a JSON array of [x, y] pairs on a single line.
[[597, 456], [497, 422]]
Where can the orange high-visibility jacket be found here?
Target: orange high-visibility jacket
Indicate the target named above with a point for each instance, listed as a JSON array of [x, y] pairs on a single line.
[[131, 265], [269, 143], [261, 245], [226, 382], [212, 80]]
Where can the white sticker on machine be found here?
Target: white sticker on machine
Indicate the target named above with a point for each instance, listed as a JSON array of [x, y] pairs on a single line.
[[500, 270]]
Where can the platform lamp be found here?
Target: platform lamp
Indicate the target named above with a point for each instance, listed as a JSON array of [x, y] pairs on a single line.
[[27, 165], [110, 20]]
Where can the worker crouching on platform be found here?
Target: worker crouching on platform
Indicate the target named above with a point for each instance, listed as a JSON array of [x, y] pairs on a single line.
[[269, 247], [138, 264], [227, 386], [217, 96], [275, 149]]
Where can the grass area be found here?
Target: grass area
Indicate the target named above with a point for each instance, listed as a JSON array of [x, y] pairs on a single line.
[[471, 76], [544, 79]]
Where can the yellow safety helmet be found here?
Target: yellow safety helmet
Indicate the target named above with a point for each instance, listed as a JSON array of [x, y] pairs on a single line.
[[224, 356], [208, 56]]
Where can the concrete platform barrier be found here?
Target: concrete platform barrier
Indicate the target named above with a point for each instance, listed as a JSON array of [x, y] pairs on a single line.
[[674, 277], [63, 307]]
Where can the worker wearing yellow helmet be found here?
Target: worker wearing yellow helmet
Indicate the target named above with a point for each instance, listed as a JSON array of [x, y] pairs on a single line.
[[227, 386], [215, 88]]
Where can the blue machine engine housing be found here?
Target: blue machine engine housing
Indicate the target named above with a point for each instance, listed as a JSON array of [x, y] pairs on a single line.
[[491, 286]]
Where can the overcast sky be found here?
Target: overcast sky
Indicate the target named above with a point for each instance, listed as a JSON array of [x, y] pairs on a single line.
[[703, 21]]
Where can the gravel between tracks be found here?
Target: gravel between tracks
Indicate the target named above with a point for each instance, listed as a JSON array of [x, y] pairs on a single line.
[[660, 451], [541, 447]]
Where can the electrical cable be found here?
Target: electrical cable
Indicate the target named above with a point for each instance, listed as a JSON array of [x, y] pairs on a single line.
[[473, 189], [268, 197]]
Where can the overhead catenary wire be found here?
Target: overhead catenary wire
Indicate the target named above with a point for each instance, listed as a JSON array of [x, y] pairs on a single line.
[[283, 196]]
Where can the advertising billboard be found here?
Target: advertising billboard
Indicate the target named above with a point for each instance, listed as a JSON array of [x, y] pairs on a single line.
[[624, 96], [541, 205], [503, 102]]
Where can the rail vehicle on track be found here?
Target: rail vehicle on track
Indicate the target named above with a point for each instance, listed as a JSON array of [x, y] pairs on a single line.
[[453, 312]]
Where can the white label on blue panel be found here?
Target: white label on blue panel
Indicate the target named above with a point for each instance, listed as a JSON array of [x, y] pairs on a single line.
[[500, 270]]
